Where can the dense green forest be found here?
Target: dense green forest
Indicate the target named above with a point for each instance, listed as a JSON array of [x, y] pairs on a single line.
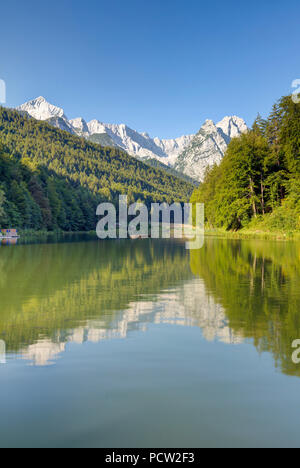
[[50, 179], [257, 184]]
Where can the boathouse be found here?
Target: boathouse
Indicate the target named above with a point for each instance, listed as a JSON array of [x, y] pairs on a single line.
[[9, 232]]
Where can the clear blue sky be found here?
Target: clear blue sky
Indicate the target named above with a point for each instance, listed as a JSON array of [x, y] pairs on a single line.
[[161, 66]]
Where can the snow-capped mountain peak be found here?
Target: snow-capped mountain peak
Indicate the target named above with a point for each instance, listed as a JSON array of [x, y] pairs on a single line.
[[96, 127], [40, 109], [208, 127], [209, 146], [232, 126], [80, 125], [208, 123], [190, 154]]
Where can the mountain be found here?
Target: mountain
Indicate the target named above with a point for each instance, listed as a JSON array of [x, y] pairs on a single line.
[[80, 126], [208, 147], [40, 109], [102, 139], [156, 163], [62, 124], [173, 148], [51, 179], [136, 144], [232, 127], [188, 154]]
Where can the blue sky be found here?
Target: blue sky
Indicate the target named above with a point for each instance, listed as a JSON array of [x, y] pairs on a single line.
[[161, 66]]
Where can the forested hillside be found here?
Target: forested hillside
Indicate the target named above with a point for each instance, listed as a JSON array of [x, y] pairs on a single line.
[[50, 179], [158, 164], [257, 184]]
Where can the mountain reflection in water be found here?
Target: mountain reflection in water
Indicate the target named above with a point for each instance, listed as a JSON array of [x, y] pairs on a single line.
[[54, 295]]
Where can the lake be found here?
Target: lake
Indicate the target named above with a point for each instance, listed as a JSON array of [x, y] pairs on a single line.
[[145, 344]]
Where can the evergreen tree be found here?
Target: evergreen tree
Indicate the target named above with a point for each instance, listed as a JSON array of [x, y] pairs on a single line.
[[2, 205]]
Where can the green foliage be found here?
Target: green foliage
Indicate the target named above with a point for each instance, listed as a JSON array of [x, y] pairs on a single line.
[[50, 179], [257, 182], [102, 139], [2, 204]]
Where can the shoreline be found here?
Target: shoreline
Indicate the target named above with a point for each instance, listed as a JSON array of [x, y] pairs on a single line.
[[244, 234], [247, 234]]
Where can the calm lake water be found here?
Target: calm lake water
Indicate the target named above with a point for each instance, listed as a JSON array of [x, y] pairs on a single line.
[[145, 344]]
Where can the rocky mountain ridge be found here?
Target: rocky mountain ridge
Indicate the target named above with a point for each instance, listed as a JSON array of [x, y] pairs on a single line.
[[188, 154]]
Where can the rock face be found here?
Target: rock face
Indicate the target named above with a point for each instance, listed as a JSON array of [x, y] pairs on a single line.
[[189, 306], [208, 147], [80, 126], [188, 154], [173, 148], [40, 109], [232, 126], [134, 143], [63, 124]]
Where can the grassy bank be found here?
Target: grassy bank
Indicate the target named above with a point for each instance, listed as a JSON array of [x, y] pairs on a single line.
[[28, 236], [251, 233]]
